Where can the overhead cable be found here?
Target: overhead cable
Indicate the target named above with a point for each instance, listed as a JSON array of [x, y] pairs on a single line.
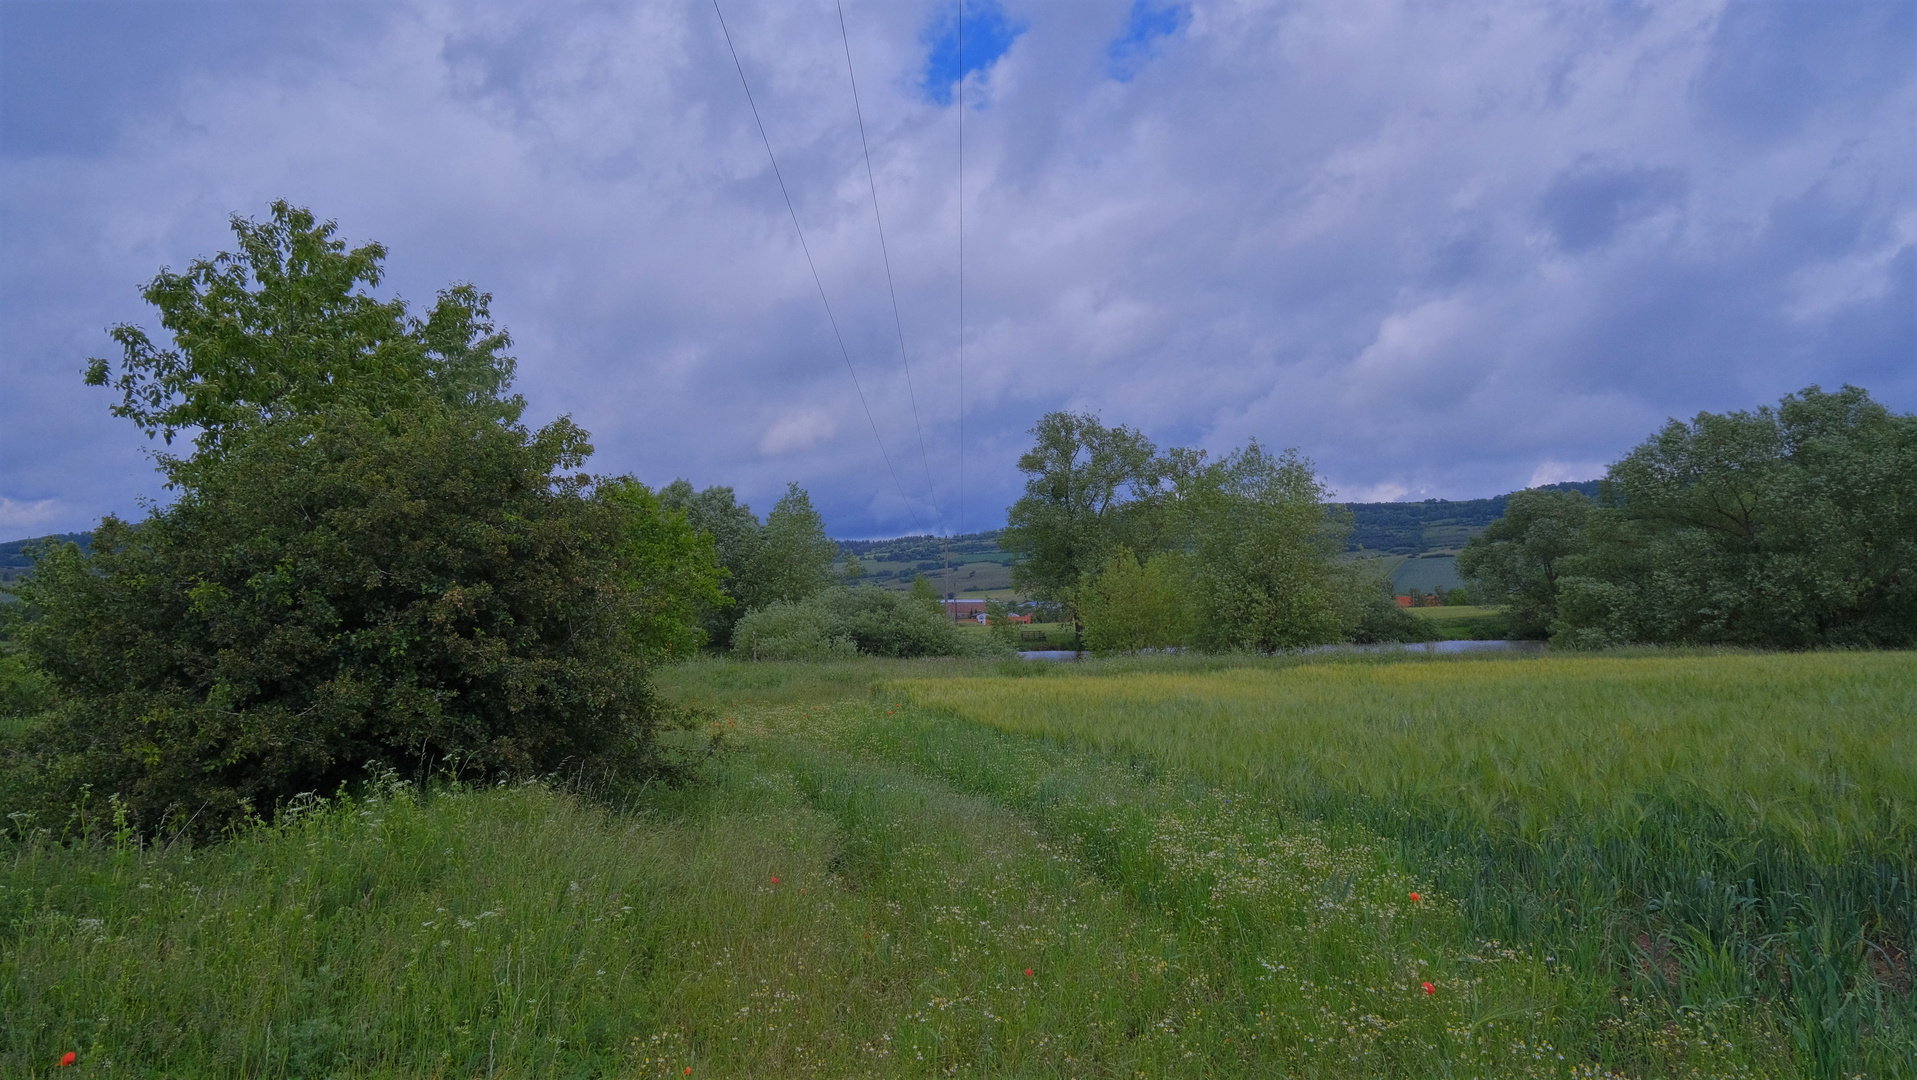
[[816, 279], [898, 320], [961, 266]]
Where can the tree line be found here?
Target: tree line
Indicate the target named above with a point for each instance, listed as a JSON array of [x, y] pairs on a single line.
[[1791, 526], [1174, 548]]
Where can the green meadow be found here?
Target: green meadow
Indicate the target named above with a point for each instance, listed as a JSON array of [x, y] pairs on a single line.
[[1675, 865], [1466, 622]]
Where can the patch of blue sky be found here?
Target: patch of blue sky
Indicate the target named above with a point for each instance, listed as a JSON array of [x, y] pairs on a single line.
[[988, 35], [1149, 23]]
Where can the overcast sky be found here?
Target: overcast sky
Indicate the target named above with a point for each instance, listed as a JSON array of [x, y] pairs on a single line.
[[1444, 249]]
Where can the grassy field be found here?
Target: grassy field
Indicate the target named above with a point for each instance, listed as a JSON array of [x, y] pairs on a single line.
[[1174, 867], [1466, 622]]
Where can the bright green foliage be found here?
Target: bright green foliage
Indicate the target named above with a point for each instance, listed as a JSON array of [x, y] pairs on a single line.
[[673, 572], [1263, 557], [371, 565], [734, 530], [1128, 607], [786, 559], [1251, 546], [794, 557], [839, 622], [1519, 558], [417, 591], [927, 596], [284, 327], [1788, 527], [799, 631], [1073, 512]]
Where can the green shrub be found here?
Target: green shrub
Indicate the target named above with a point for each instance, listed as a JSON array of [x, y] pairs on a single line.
[[371, 565], [791, 630], [23, 690], [1380, 619], [1129, 607], [405, 592], [865, 620]]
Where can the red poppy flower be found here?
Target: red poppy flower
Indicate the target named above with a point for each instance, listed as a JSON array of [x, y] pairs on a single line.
[[1028, 973], [69, 1058], [1430, 989], [775, 879], [1416, 899]]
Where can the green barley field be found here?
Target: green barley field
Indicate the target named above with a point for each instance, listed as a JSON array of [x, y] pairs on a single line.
[[1689, 865]]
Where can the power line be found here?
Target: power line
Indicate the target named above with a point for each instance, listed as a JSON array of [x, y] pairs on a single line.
[[898, 320], [961, 265], [816, 279]]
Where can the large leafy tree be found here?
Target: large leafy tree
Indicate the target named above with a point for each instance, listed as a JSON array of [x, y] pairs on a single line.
[[370, 564], [786, 558], [1150, 549], [672, 570], [1792, 526], [1082, 481], [1265, 554], [286, 327], [1518, 560], [794, 556]]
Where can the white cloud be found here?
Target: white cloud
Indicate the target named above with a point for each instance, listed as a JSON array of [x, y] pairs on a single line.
[[800, 430], [1558, 472], [19, 518], [1429, 246]]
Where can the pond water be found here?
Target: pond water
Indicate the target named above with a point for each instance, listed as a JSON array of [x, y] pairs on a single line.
[[1439, 647], [1391, 646]]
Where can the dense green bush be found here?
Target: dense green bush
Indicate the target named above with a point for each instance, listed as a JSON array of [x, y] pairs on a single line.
[[410, 592], [787, 558], [23, 690], [1176, 549], [1519, 559], [1375, 615], [371, 566], [1127, 607], [1792, 527], [792, 630], [841, 621]]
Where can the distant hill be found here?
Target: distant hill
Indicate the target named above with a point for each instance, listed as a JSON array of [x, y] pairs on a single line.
[[1434, 524], [13, 555], [1379, 529], [976, 563]]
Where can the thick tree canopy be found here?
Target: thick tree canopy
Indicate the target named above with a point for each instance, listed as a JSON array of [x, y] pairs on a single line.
[[371, 564], [1081, 480], [1792, 526], [1152, 549], [1518, 560], [285, 327]]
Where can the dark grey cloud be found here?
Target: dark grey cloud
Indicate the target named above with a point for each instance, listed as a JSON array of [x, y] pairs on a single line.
[[1444, 250]]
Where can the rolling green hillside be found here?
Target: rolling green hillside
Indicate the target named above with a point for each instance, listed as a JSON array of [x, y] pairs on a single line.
[[1427, 528], [14, 561]]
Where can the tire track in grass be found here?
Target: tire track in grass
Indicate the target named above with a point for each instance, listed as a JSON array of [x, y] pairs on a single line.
[[1307, 932]]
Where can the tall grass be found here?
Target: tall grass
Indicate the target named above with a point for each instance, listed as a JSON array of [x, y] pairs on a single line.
[[1716, 829], [857, 887]]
